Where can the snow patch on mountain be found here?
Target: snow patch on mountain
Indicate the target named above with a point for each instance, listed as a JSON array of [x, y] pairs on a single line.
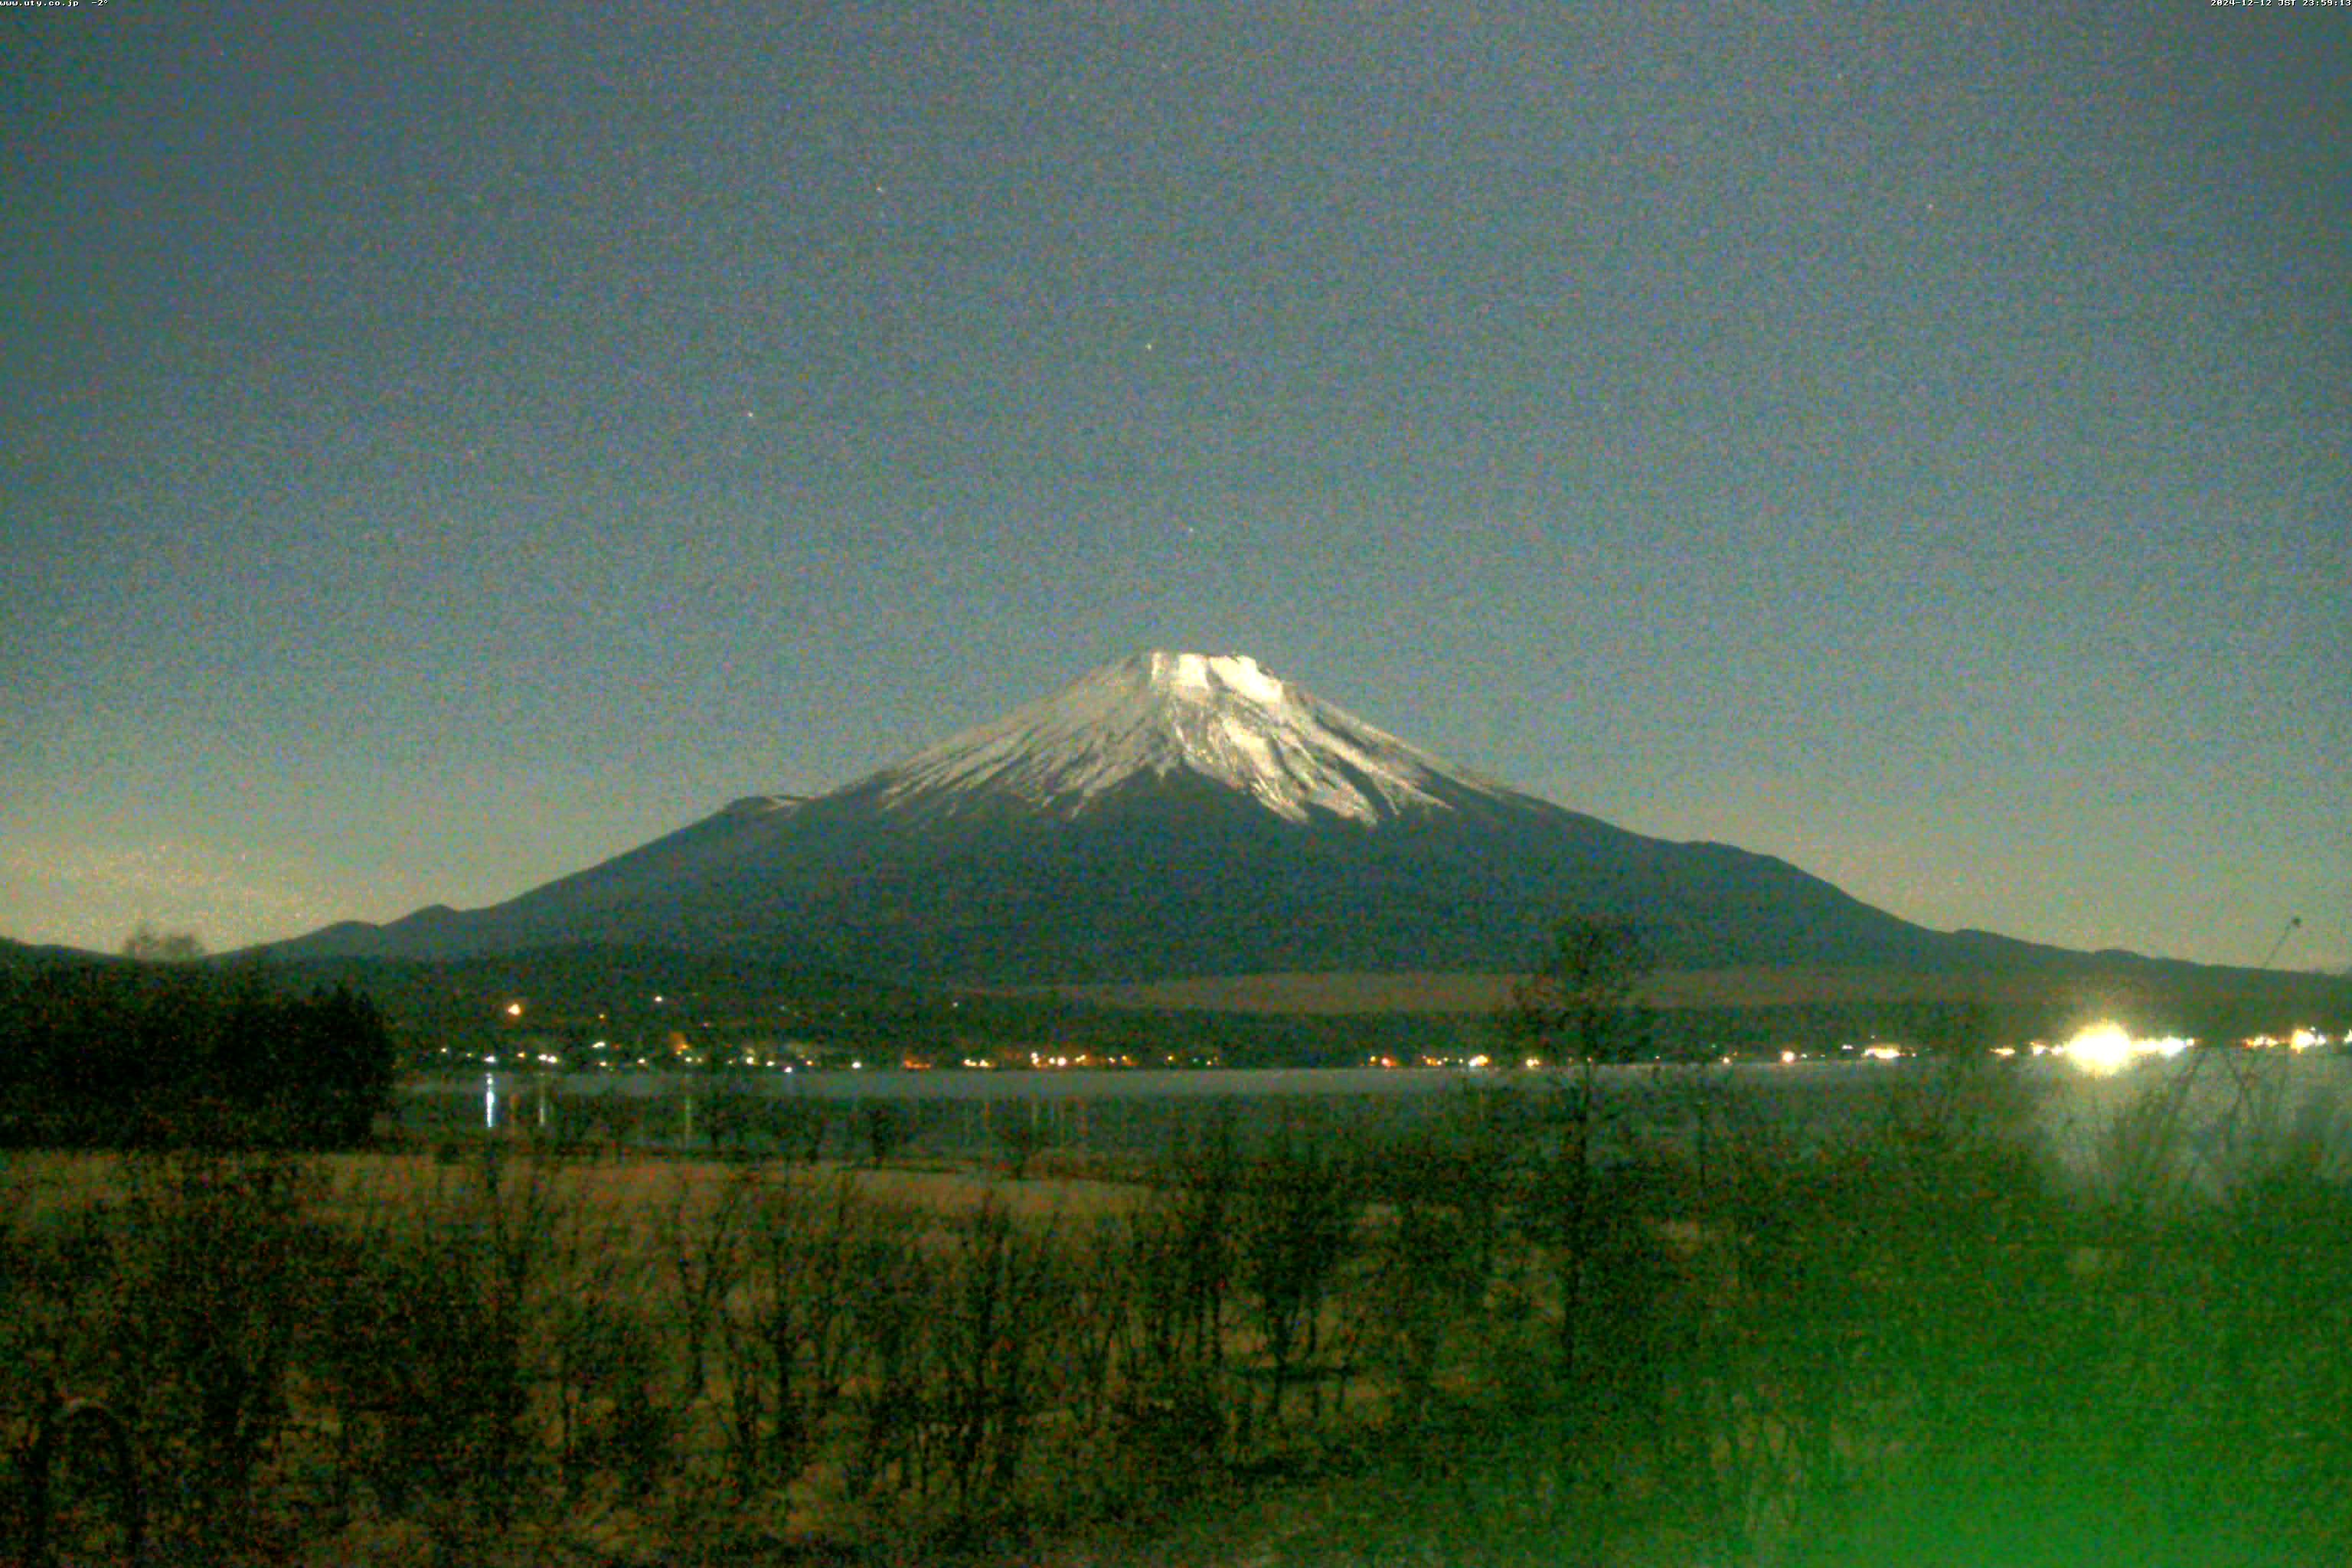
[[770, 805], [1220, 717]]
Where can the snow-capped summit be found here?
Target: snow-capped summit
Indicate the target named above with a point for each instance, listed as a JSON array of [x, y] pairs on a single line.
[[1220, 717]]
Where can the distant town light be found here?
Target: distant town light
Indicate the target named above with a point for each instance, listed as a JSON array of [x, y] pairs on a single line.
[[514, 1009]]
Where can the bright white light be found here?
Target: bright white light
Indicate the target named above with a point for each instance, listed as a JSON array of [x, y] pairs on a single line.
[[1884, 1053], [2106, 1047], [2100, 1049]]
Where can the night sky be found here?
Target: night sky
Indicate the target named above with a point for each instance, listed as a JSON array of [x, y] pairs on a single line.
[[443, 445]]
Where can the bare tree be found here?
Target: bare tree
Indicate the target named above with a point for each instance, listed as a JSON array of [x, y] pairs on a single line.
[[1578, 1006], [1578, 1009], [149, 945]]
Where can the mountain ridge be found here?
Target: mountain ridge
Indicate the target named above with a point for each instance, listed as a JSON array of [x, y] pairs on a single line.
[[1171, 814]]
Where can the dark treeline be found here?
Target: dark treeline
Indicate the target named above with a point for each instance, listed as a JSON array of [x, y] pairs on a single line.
[[103, 1054]]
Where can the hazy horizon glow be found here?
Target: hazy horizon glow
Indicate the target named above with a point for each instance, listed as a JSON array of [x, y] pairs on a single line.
[[445, 448]]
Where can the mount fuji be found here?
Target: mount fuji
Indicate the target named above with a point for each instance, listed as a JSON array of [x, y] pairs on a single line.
[[1171, 814]]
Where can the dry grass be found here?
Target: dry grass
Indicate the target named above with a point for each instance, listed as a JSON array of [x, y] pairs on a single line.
[[639, 1186], [41, 1184]]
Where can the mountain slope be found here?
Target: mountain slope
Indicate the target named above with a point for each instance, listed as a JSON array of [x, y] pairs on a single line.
[[1170, 815]]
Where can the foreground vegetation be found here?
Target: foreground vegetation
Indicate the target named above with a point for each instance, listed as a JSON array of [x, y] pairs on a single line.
[[1913, 1341]]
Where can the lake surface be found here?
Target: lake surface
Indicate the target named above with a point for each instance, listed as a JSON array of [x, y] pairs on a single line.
[[2216, 1107]]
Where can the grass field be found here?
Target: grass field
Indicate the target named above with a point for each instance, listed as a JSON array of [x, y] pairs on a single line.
[[1910, 1341]]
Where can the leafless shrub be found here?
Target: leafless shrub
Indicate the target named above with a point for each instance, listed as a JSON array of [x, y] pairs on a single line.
[[890, 1346], [700, 1238], [1003, 1309], [205, 1325], [786, 1340], [886, 1125], [80, 1485], [1297, 1223], [1429, 1255]]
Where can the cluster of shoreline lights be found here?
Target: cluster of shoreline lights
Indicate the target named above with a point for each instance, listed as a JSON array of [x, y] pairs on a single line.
[[2099, 1050], [2106, 1047]]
